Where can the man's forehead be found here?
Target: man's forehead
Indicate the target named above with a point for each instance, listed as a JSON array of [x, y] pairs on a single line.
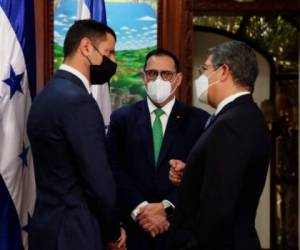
[[110, 37], [161, 60], [107, 44], [208, 60], [107, 38]]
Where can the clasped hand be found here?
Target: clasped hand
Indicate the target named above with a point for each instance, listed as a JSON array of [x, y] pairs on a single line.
[[152, 217]]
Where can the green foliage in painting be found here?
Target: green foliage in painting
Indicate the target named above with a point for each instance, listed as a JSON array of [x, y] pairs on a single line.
[[126, 86]]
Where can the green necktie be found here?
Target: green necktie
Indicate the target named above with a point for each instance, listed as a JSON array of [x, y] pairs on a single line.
[[157, 133]]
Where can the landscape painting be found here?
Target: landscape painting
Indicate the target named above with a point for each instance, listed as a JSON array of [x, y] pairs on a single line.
[[135, 24]]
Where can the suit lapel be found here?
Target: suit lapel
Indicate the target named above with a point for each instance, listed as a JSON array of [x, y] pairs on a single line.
[[144, 126], [174, 122]]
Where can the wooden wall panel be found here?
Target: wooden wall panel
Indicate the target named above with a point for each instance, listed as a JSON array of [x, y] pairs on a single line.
[[175, 26], [256, 7], [175, 33], [44, 41]]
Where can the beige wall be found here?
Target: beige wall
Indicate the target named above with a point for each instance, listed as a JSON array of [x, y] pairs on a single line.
[[203, 41]]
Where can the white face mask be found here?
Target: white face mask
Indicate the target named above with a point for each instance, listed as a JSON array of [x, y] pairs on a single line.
[[159, 90], [202, 85]]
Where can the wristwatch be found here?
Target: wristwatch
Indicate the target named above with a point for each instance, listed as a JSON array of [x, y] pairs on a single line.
[[169, 209]]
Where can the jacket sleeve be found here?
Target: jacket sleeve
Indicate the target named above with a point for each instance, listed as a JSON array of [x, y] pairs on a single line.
[[84, 130], [197, 119], [129, 197], [172, 196]]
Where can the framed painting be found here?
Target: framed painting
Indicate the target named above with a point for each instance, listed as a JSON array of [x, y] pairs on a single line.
[[135, 24]]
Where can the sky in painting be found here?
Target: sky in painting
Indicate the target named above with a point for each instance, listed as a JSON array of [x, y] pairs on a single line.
[[134, 23]]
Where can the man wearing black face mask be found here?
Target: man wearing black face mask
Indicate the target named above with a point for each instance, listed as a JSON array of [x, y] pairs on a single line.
[[101, 73], [75, 206]]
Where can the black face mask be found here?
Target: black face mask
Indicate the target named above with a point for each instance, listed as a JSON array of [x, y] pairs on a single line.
[[100, 74]]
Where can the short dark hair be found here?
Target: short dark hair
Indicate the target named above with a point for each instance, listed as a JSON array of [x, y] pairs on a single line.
[[241, 60], [85, 28], [163, 52]]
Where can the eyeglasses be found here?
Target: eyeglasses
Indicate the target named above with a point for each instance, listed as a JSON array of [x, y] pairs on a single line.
[[166, 75], [205, 67]]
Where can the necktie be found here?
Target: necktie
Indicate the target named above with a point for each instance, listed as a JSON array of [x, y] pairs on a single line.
[[157, 133], [209, 120]]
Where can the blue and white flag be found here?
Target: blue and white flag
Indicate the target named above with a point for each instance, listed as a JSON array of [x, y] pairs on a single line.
[[17, 87], [95, 9]]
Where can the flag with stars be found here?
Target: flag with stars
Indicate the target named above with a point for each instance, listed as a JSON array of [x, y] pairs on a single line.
[[17, 87], [95, 9]]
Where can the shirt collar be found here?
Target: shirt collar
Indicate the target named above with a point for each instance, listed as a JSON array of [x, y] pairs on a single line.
[[78, 74], [229, 99], [167, 108]]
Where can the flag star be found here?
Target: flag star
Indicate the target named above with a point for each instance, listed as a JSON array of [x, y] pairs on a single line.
[[23, 156], [26, 227], [14, 82]]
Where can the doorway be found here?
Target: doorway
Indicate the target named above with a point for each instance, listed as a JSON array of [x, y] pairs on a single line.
[[275, 40]]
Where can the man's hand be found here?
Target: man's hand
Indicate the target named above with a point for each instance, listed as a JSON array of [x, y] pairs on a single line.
[[153, 219], [120, 244], [176, 171]]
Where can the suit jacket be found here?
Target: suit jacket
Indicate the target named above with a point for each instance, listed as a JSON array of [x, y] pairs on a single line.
[[131, 156], [223, 181], [75, 206]]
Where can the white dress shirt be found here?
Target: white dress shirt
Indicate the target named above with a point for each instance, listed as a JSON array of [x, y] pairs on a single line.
[[165, 116], [164, 121], [229, 99], [78, 74]]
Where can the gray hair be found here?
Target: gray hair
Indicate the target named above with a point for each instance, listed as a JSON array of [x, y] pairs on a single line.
[[241, 60]]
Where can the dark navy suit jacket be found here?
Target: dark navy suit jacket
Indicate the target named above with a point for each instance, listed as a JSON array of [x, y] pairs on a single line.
[[224, 178], [75, 206], [131, 156]]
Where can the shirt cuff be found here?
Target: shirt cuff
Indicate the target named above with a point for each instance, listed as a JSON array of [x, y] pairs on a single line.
[[167, 203], [136, 211]]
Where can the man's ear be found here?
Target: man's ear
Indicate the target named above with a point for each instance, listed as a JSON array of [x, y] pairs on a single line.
[[85, 46], [178, 80], [225, 72], [143, 76]]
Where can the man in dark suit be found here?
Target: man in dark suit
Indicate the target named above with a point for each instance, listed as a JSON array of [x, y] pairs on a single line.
[[142, 139], [226, 169], [75, 205]]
